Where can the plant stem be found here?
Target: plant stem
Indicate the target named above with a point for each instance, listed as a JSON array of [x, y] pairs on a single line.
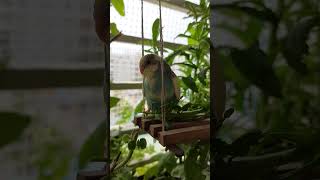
[[126, 160]]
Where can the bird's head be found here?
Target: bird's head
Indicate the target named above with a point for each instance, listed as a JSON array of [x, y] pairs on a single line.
[[149, 64]]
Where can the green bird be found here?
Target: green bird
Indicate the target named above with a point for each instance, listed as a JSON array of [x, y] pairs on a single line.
[[150, 68]]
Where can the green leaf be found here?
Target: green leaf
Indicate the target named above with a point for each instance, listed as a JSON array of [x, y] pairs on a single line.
[[168, 161], [155, 32], [253, 64], [186, 107], [186, 64], [125, 113], [12, 126], [192, 9], [132, 145], [119, 6], [93, 146], [228, 113], [242, 145], [139, 107], [114, 101], [190, 83], [262, 13], [178, 171], [142, 143], [231, 73], [295, 46], [192, 168], [183, 36], [177, 52], [113, 28], [247, 35], [151, 172], [203, 75]]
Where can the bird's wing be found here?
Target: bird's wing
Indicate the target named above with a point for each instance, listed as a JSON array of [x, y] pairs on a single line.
[[174, 81], [143, 91], [176, 87]]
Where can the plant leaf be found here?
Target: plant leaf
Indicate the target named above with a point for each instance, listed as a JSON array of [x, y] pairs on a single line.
[[114, 101], [186, 107], [203, 75], [192, 168], [242, 145], [190, 83], [119, 6], [253, 64], [295, 46], [142, 143], [132, 145], [263, 13], [155, 32], [186, 64], [113, 28], [228, 113], [170, 58], [93, 146], [139, 107], [248, 35], [12, 126]]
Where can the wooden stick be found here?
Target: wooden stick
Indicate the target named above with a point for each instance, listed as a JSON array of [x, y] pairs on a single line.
[[184, 135], [156, 128]]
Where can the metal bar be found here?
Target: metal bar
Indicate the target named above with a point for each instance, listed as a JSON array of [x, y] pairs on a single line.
[[212, 114], [138, 40], [47, 78], [172, 4], [124, 86], [106, 90]]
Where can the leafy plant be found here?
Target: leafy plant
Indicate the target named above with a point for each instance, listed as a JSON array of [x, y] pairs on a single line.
[[119, 6], [12, 127], [93, 147], [273, 76]]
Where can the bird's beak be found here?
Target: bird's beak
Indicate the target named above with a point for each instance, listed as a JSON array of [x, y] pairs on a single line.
[[141, 69]]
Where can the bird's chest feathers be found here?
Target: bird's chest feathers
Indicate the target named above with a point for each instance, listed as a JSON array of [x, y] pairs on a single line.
[[152, 87], [151, 83]]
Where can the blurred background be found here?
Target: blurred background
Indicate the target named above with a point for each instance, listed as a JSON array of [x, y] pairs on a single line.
[[43, 35], [269, 50]]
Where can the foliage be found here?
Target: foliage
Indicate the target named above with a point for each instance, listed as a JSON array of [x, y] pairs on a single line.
[[125, 113], [119, 6], [51, 155], [195, 65], [12, 127], [276, 78], [273, 89], [93, 146], [195, 89]]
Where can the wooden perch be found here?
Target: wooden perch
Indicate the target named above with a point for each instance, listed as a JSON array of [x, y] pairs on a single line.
[[179, 132]]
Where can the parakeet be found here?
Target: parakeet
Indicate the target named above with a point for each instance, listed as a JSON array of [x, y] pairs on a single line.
[[150, 68]]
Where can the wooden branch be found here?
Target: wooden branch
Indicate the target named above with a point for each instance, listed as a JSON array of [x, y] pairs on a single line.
[[48, 78], [116, 37]]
